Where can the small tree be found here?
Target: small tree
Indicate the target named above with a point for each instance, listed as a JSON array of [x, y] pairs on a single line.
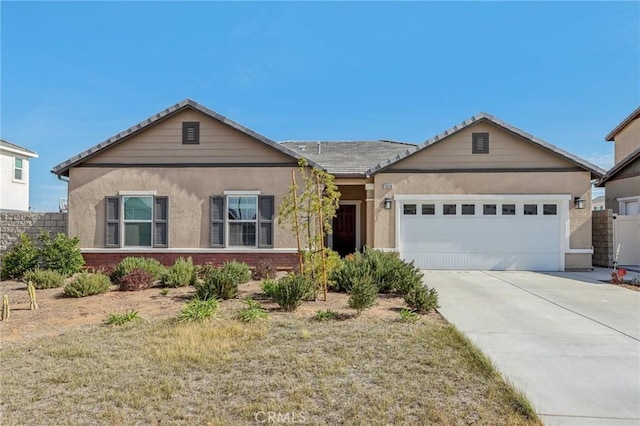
[[20, 259], [309, 211]]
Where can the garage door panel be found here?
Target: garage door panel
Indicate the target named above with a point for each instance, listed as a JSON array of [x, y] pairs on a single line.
[[482, 242]]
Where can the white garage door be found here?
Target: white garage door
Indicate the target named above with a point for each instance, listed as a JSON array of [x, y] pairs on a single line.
[[482, 234]]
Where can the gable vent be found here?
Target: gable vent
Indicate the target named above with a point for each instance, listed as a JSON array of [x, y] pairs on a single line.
[[480, 143], [191, 132]]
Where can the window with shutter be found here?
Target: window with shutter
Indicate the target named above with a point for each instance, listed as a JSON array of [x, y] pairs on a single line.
[[480, 143], [161, 222], [265, 220], [190, 133], [217, 221]]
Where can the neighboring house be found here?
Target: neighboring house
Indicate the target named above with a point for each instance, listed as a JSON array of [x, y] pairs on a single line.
[[190, 182], [14, 179], [597, 203], [622, 182]]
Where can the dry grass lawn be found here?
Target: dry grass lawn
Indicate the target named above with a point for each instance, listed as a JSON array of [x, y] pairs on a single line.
[[365, 370]]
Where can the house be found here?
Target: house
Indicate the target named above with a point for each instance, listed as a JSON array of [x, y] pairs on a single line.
[[188, 181], [14, 182], [597, 203], [622, 182]]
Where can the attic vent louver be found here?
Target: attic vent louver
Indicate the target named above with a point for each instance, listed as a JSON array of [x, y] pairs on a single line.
[[190, 132], [480, 143]]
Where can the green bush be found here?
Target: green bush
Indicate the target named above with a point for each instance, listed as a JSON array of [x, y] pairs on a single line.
[[253, 312], [388, 271], [87, 284], [61, 253], [198, 310], [21, 258], [422, 299], [292, 289], [269, 287], [122, 319], [44, 278], [128, 264], [180, 274], [135, 280], [313, 265], [238, 269], [363, 293], [326, 315], [218, 284], [408, 316]]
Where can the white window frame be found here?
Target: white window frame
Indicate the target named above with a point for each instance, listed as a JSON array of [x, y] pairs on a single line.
[[125, 221], [16, 168], [228, 222], [622, 203]]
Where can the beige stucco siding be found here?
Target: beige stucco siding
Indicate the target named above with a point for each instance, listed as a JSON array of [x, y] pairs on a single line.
[[188, 189], [577, 184], [162, 143], [506, 150], [628, 140], [621, 188]]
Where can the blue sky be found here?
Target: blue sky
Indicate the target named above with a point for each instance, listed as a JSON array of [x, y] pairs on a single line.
[[76, 73]]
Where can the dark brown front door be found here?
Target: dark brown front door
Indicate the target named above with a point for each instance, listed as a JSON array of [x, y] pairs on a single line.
[[344, 230]]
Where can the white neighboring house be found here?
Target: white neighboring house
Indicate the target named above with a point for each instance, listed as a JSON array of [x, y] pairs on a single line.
[[14, 176]]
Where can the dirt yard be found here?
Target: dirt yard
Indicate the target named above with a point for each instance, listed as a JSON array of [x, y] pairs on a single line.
[[58, 314]]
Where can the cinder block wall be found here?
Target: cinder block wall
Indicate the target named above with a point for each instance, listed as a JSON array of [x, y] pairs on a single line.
[[602, 237], [14, 224]]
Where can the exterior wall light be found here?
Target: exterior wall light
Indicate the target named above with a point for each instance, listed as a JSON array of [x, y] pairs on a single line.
[[578, 203], [387, 203]]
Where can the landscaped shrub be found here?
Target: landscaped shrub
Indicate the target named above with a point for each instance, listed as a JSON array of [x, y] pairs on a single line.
[[264, 270], [292, 289], [128, 264], [61, 253], [122, 319], [135, 280], [253, 312], [180, 274], [326, 315], [269, 287], [363, 293], [422, 299], [408, 316], [86, 284], [44, 278], [198, 310], [203, 270], [218, 284], [238, 269], [353, 267], [21, 258], [388, 271], [313, 265]]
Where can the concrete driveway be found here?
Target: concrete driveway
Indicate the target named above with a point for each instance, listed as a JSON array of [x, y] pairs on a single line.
[[571, 344]]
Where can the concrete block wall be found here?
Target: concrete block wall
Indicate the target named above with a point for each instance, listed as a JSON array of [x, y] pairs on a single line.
[[12, 225], [602, 237]]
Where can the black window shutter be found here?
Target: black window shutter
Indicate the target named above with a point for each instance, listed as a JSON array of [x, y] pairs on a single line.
[[266, 204], [217, 221], [161, 222], [112, 222], [191, 132], [480, 143]]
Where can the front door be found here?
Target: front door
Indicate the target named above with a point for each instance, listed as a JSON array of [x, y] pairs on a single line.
[[344, 229]]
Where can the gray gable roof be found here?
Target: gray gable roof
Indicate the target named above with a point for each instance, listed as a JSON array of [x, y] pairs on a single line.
[[596, 172], [612, 134], [619, 167], [348, 158], [13, 146], [63, 168]]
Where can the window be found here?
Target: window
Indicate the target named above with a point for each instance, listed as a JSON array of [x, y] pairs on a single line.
[[489, 209], [508, 209], [18, 168], [480, 143], [550, 209], [530, 209], [448, 209], [428, 209], [468, 209], [190, 133], [410, 209], [242, 221], [137, 221]]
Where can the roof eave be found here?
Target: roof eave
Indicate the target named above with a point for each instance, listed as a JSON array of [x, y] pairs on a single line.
[[617, 168], [612, 134]]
